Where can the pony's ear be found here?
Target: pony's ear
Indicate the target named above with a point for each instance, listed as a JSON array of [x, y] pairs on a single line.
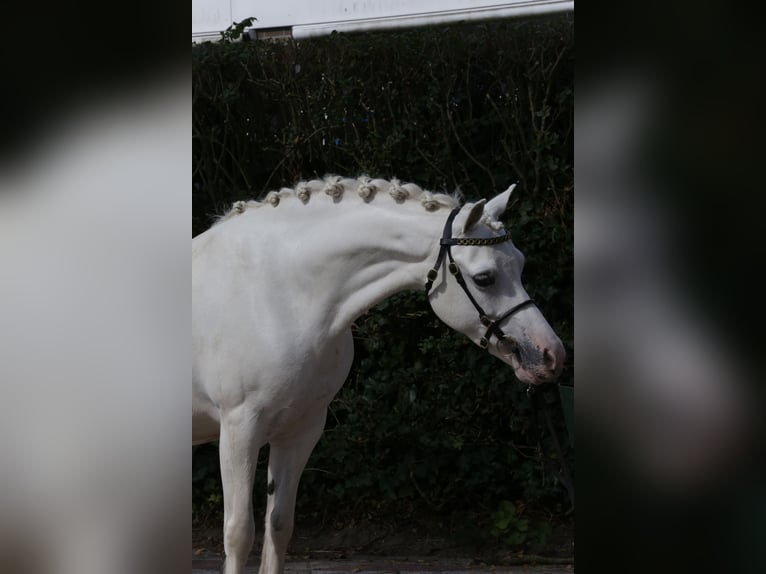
[[497, 204], [477, 210]]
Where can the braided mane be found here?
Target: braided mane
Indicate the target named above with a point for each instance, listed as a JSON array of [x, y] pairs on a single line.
[[339, 188]]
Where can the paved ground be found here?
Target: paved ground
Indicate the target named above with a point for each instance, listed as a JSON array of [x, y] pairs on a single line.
[[387, 566]]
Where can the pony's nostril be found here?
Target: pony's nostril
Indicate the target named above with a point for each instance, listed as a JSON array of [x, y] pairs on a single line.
[[553, 359], [549, 359]]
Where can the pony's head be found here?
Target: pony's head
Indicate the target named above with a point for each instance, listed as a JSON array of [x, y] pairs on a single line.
[[475, 288]]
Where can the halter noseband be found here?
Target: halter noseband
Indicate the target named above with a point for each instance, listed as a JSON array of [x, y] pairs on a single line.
[[446, 243]]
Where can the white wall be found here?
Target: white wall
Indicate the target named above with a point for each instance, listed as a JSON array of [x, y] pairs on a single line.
[[317, 17]]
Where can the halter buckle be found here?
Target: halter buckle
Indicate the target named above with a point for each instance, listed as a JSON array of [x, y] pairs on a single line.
[[483, 343], [486, 321], [432, 275], [453, 268]]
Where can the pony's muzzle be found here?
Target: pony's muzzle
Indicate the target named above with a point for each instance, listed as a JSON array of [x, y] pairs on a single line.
[[547, 363]]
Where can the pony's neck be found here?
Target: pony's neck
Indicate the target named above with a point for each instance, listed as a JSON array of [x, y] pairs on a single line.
[[342, 245], [382, 256]]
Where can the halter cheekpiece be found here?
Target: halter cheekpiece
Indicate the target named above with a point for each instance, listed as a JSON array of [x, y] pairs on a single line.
[[446, 243]]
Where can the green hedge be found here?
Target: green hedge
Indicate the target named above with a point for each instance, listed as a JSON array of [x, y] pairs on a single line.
[[426, 420]]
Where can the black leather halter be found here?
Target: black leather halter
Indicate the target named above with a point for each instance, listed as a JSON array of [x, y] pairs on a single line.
[[446, 243]]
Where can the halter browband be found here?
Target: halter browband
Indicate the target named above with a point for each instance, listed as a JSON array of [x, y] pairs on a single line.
[[446, 243], [480, 241]]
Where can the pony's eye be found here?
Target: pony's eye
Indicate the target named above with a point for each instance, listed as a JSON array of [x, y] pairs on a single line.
[[484, 279]]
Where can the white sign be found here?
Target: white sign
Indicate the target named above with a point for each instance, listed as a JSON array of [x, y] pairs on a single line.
[[307, 18]]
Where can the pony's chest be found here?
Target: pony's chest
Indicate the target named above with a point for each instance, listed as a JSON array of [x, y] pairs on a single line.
[[310, 377]]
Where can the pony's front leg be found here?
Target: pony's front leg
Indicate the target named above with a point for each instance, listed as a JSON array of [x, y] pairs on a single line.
[[287, 459], [238, 444]]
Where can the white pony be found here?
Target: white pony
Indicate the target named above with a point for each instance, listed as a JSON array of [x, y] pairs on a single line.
[[276, 286]]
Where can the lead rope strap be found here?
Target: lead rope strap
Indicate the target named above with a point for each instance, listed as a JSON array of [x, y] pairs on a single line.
[[562, 474]]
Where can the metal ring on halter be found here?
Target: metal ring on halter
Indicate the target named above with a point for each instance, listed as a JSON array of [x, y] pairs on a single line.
[[514, 346]]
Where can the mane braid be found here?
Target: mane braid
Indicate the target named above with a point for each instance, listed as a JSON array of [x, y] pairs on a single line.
[[336, 187]]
